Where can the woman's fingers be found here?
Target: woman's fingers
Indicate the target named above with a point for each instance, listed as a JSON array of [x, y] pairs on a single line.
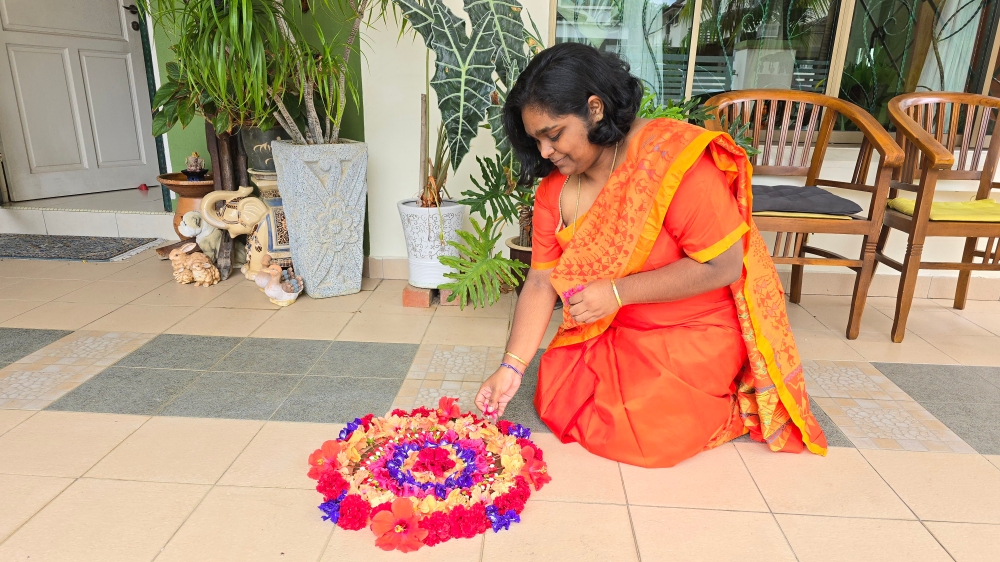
[[483, 397]]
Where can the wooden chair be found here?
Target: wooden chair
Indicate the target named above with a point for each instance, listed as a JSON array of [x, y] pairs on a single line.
[[931, 127], [792, 131]]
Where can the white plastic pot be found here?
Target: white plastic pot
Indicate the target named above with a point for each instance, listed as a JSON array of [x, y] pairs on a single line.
[[423, 228]]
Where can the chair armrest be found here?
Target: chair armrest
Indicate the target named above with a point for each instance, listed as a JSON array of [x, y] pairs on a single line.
[[935, 153], [881, 140]]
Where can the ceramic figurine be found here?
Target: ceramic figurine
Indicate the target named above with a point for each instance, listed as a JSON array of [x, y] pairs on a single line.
[[205, 274], [179, 261], [207, 236], [260, 218], [195, 167], [193, 267], [263, 276], [283, 286]]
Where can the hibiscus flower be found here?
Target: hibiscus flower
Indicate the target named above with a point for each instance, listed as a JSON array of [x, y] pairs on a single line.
[[398, 529], [324, 459], [534, 469], [448, 407]]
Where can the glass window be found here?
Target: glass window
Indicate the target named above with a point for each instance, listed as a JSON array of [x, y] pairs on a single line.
[[654, 36]]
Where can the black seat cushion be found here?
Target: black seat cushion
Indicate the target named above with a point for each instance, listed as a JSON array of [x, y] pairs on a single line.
[[798, 199]]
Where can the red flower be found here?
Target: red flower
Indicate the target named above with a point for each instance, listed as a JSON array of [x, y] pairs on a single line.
[[467, 522], [438, 528], [387, 506], [398, 412], [534, 469], [354, 512], [515, 498], [331, 485], [398, 529], [434, 460], [366, 422], [448, 407], [323, 459], [504, 426], [525, 443], [421, 411]]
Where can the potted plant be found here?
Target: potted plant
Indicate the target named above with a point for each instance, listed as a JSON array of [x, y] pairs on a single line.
[[471, 73]]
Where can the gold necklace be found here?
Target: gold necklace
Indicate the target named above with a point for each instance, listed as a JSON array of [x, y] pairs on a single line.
[[579, 186]]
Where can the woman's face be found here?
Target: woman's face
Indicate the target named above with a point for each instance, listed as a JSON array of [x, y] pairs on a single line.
[[563, 139]]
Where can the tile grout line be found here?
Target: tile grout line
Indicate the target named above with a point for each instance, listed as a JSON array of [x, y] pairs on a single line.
[[769, 509], [11, 428], [299, 382], [628, 509]]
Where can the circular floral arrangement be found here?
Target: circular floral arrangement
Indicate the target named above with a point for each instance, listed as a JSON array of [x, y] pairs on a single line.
[[427, 476]]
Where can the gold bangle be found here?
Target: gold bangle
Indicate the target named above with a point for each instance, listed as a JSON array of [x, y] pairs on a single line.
[[617, 296], [516, 358]]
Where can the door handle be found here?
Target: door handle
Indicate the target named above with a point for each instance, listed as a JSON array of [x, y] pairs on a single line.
[[131, 9]]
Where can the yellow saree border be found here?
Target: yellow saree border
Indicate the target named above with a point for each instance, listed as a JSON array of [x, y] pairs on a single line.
[[715, 250]]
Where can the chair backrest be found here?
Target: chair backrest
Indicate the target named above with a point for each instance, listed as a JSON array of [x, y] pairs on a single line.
[[792, 130], [947, 132]]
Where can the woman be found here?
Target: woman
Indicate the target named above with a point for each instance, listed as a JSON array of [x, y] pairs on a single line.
[[674, 336]]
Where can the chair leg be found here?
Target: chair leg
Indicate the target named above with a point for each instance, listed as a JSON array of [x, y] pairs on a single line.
[[907, 285], [962, 291], [862, 283], [795, 291]]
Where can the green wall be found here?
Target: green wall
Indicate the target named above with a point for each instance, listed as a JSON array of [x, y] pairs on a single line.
[[183, 141]]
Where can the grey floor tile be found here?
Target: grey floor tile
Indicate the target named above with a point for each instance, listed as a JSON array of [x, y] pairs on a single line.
[[522, 408], [264, 355], [245, 396], [366, 359], [977, 424], [16, 343], [834, 437], [943, 383], [174, 351], [338, 399], [123, 390]]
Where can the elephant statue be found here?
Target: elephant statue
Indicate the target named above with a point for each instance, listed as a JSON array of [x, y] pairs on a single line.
[[262, 219]]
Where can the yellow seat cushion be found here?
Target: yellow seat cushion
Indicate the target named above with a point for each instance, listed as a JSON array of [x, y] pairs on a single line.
[[982, 210], [800, 215]]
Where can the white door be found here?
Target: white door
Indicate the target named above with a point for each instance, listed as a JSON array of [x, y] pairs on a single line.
[[74, 104]]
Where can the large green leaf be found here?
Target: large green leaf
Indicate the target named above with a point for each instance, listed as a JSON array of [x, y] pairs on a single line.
[[481, 271], [504, 18]]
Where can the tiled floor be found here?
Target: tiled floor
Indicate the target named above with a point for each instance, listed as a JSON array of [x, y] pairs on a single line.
[[175, 422]]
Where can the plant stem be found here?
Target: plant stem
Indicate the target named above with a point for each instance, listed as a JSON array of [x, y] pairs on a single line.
[[289, 123], [342, 79], [311, 117]]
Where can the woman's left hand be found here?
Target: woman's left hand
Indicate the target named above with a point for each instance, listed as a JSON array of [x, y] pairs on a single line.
[[594, 302]]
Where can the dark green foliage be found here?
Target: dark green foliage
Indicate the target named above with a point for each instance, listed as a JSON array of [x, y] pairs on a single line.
[[480, 270]]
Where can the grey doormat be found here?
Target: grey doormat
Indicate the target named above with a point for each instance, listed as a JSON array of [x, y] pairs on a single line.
[[90, 248]]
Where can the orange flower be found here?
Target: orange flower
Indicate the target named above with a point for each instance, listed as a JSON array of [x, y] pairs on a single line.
[[449, 407], [399, 528], [323, 459], [534, 470]]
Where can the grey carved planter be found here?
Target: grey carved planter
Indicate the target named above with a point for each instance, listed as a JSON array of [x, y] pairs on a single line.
[[423, 228], [325, 189]]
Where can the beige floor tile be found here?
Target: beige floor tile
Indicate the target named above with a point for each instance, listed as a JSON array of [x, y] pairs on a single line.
[[142, 318], [577, 475], [565, 531], [359, 546], [841, 483], [454, 330], [824, 345], [42, 289], [60, 316], [389, 328], [276, 458], [24, 496], [10, 309], [245, 294], [145, 269], [550, 331], [183, 450], [11, 418], [942, 486], [233, 322], [695, 483], [888, 304], [101, 520], [502, 309], [970, 350], [929, 322], [388, 299], [112, 292], [913, 349], [370, 284], [802, 319], [346, 303], [987, 320], [176, 294], [88, 271], [967, 542], [293, 322], [995, 459], [836, 539], [706, 536], [246, 524], [62, 443], [27, 268], [835, 318]]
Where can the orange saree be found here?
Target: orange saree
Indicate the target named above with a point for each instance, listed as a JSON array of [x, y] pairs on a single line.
[[654, 384]]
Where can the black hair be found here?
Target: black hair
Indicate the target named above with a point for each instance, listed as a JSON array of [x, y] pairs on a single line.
[[560, 80]]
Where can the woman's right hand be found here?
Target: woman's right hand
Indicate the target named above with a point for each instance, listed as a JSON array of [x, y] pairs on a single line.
[[497, 391]]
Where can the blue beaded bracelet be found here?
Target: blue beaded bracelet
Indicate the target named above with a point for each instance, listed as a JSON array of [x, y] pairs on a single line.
[[512, 368]]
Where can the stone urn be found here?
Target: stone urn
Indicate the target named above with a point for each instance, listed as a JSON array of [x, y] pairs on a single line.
[[189, 194], [427, 231], [325, 193]]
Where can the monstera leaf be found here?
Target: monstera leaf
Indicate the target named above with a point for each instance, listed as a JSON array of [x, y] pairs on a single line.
[[504, 18], [463, 78]]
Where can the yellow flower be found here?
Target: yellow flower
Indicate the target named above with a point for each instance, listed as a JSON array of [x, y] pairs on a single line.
[[510, 458]]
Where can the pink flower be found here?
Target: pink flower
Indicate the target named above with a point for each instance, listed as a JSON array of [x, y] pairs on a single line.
[[437, 461], [398, 529]]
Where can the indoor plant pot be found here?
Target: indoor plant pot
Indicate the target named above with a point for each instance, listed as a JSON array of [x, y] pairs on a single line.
[[422, 228], [324, 190], [521, 254]]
